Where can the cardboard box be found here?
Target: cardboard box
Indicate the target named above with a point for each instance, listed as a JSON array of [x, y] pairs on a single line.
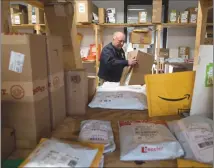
[[84, 10], [184, 17], [17, 8], [91, 87], [135, 75], [90, 68], [142, 17], [101, 15], [193, 12], [184, 52], [5, 17], [164, 52], [141, 38], [173, 16], [59, 19], [25, 101], [8, 142], [56, 80], [61, 22], [76, 83], [208, 41], [110, 15], [35, 15], [157, 11]]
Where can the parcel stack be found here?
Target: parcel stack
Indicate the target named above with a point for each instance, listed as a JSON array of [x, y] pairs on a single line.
[[75, 76]]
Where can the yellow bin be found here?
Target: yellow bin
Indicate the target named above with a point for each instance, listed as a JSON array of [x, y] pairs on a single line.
[[169, 94]]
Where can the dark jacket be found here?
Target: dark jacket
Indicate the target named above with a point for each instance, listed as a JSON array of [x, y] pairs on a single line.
[[112, 62]]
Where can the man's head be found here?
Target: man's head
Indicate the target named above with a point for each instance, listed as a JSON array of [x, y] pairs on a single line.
[[118, 39]]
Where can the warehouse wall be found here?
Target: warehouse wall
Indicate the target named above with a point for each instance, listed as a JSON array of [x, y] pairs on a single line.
[[181, 37]]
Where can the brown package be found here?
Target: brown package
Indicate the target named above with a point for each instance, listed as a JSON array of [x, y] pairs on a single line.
[[25, 101], [141, 38], [35, 15], [56, 80], [8, 142], [157, 11], [84, 10], [91, 87], [101, 15], [135, 75], [76, 92]]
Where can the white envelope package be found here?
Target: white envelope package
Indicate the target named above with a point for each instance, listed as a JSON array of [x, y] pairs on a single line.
[[195, 134], [97, 131], [52, 153], [147, 140], [113, 96]]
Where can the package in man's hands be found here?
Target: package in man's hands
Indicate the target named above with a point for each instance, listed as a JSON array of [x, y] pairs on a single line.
[[147, 140], [99, 132], [195, 134]]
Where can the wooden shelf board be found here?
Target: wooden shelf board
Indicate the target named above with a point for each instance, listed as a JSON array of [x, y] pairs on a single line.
[[118, 25], [26, 26], [209, 24], [35, 3], [178, 25], [80, 25]]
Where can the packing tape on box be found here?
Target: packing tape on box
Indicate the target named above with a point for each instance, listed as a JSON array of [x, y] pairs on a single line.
[[24, 91], [56, 81]]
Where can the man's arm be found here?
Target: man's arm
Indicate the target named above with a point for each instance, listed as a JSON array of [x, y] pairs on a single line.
[[110, 61]]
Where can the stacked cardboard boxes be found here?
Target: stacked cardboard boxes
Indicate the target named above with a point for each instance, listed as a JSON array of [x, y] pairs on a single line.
[[33, 92], [56, 80], [25, 100], [75, 77]]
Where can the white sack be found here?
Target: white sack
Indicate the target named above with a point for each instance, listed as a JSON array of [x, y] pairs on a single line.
[[53, 153], [147, 140], [113, 96], [195, 133], [99, 132]]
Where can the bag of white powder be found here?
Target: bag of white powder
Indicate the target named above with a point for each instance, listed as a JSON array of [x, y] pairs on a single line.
[[147, 140], [97, 131]]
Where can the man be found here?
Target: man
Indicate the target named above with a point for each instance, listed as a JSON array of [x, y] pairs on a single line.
[[112, 59]]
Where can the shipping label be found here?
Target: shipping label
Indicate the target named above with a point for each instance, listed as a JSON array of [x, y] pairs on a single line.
[[17, 19], [81, 8], [33, 19], [56, 81], [16, 62]]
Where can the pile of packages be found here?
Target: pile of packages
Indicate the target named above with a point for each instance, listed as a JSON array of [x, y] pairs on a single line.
[[143, 140]]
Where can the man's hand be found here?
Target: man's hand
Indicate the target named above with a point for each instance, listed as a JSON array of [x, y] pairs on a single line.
[[132, 61]]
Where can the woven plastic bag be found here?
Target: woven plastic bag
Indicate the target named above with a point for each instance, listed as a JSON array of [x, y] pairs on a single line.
[[99, 132], [147, 140]]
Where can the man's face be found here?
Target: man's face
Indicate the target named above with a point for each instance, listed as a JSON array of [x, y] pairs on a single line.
[[119, 41]]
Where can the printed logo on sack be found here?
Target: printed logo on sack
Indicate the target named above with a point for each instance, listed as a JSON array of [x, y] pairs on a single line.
[[186, 96], [146, 149]]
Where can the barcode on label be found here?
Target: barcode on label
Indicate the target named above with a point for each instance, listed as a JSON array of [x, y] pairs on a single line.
[[205, 144], [72, 163]]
